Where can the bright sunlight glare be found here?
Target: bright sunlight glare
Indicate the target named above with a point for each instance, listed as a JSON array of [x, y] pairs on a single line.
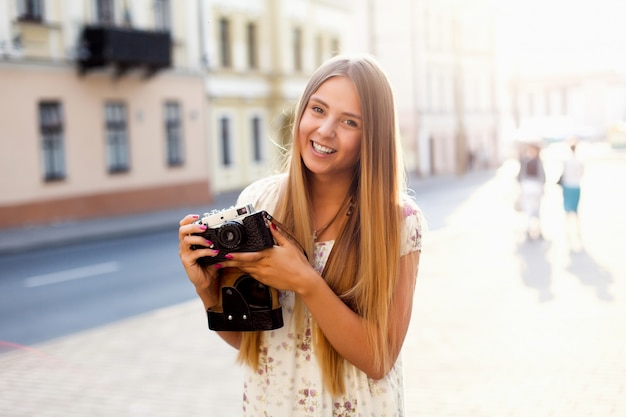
[[559, 36]]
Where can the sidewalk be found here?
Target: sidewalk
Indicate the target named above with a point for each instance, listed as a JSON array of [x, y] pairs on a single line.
[[500, 327]]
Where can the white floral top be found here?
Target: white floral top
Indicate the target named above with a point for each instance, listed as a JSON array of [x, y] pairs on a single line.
[[288, 381]]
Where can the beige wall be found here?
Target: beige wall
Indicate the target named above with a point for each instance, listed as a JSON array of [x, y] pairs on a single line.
[[83, 98]]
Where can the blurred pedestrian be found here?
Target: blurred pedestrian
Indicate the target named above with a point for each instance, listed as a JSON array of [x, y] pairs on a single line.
[[347, 303], [531, 179], [570, 182]]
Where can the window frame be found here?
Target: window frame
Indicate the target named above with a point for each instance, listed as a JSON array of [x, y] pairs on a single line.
[[52, 141], [225, 43], [105, 12], [30, 10], [163, 15], [174, 137], [257, 146], [252, 40], [116, 137], [225, 141], [297, 49]]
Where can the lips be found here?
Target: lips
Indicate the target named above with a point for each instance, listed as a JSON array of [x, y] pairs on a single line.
[[322, 149]]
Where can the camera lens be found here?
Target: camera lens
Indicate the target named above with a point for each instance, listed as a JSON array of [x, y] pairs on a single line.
[[230, 235]]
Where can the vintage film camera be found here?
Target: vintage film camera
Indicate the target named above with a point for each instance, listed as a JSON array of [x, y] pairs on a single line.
[[245, 304]]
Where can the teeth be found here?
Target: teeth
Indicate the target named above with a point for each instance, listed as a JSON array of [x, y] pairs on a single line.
[[322, 149]]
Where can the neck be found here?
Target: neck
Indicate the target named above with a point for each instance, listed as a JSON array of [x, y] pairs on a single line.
[[331, 201], [329, 191]]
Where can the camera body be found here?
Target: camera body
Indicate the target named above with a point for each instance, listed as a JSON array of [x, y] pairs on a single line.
[[236, 229], [244, 304]]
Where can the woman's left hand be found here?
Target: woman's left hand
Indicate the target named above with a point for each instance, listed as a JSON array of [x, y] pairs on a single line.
[[283, 266]]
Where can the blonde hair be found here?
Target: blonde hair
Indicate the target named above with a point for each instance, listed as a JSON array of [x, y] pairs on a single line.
[[362, 268]]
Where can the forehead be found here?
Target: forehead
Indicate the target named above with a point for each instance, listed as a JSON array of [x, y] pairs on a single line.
[[338, 91]]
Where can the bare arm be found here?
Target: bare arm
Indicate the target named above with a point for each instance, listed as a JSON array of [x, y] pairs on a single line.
[[346, 330]]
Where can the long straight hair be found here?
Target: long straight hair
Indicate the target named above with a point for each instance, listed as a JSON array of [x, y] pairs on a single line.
[[363, 265]]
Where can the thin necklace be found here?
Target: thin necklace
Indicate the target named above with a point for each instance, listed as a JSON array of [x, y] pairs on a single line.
[[321, 230]]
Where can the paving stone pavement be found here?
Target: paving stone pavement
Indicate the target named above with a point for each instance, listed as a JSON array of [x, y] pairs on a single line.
[[501, 327]]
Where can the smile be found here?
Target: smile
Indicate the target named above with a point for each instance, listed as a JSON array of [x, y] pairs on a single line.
[[322, 149]]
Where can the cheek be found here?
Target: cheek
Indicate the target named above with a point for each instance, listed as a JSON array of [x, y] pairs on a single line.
[[354, 147], [304, 129]]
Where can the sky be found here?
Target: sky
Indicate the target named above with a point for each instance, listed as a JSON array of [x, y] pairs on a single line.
[[553, 36]]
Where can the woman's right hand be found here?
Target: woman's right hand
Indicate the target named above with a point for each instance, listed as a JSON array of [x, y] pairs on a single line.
[[205, 279]]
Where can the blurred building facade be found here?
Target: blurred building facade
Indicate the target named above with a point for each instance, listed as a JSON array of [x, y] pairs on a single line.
[[102, 109], [441, 58], [585, 105], [114, 107]]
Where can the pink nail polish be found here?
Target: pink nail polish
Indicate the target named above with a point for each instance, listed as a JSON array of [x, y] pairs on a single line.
[[217, 266], [228, 256]]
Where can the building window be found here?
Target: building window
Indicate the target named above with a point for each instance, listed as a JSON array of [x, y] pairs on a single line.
[[118, 159], [297, 49], [225, 42], [30, 10], [319, 50], [162, 15], [256, 139], [225, 138], [252, 46], [51, 125], [174, 134], [105, 14], [335, 46]]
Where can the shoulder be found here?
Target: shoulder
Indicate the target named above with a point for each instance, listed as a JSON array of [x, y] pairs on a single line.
[[262, 193], [413, 225]]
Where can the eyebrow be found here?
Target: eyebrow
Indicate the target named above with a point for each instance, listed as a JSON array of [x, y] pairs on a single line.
[[322, 102]]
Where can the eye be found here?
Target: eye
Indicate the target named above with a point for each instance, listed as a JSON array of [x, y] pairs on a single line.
[[317, 109], [351, 123]]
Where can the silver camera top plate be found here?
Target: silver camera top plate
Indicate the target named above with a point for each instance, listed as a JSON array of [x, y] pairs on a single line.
[[217, 217]]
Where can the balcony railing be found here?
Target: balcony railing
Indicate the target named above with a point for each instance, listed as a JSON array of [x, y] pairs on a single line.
[[124, 49]]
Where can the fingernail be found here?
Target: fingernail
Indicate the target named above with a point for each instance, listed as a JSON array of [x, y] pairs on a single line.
[[228, 256], [215, 251], [203, 227], [273, 226], [217, 266], [208, 242], [195, 216]]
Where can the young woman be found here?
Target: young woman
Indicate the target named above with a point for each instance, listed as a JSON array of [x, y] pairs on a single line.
[[347, 307]]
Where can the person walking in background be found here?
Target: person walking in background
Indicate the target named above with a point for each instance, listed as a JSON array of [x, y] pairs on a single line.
[[570, 183], [531, 179], [346, 300]]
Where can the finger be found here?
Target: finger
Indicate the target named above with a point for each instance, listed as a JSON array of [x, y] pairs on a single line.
[[189, 229], [279, 237], [188, 219]]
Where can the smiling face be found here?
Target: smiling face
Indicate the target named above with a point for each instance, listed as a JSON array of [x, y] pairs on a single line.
[[330, 129]]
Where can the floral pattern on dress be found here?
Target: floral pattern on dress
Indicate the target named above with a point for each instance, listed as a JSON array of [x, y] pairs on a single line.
[[288, 382]]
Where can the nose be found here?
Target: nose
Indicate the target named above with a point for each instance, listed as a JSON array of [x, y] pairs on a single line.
[[327, 127]]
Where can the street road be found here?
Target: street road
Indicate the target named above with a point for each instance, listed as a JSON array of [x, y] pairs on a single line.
[[53, 292]]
